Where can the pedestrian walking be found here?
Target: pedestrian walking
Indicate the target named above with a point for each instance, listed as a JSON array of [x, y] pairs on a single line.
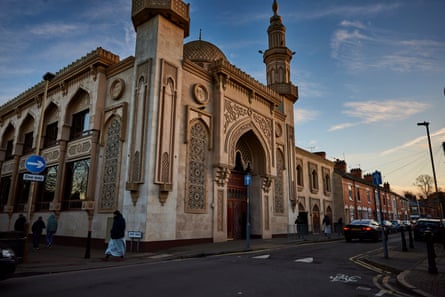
[[51, 229], [20, 224], [340, 226], [327, 226], [37, 229], [116, 245]]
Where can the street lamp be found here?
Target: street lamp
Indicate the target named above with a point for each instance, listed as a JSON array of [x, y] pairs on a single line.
[[247, 183], [47, 78], [426, 124]]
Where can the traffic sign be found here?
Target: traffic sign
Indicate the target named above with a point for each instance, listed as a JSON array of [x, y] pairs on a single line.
[[376, 178], [247, 179], [35, 164], [33, 177]]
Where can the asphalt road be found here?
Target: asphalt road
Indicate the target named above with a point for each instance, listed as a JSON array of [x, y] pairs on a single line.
[[319, 269]]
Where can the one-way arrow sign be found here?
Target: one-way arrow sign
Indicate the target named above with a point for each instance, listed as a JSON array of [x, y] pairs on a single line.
[[35, 164]]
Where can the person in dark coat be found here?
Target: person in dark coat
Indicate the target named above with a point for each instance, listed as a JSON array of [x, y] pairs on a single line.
[[116, 245], [37, 229], [51, 229], [20, 224]]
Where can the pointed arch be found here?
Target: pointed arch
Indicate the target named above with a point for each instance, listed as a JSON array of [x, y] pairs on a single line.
[[7, 143], [26, 134], [247, 127]]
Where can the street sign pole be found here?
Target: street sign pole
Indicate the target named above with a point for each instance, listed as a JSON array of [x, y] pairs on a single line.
[[377, 181], [247, 183]]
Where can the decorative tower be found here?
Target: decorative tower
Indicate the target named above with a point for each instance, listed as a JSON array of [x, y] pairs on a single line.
[[277, 58], [161, 27]]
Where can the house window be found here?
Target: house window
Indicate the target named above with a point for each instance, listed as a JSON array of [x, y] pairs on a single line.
[[314, 179], [299, 176], [27, 145], [327, 183], [80, 124], [350, 192], [8, 153], [5, 185], [22, 193], [51, 134], [357, 193], [76, 182], [47, 189], [368, 195]]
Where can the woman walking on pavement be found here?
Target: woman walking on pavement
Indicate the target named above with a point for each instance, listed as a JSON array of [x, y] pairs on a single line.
[[116, 245]]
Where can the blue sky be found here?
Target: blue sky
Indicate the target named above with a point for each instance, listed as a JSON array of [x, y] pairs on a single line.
[[367, 70]]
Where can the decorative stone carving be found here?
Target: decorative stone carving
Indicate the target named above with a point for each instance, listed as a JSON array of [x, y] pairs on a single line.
[[267, 182], [110, 181], [201, 94], [197, 168], [222, 175], [117, 88]]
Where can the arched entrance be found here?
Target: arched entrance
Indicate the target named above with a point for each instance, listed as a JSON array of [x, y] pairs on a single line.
[[248, 155], [236, 205], [316, 219]]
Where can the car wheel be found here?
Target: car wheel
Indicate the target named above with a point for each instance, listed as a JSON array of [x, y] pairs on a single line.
[[348, 239]]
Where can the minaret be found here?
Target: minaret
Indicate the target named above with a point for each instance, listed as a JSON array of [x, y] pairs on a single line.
[[277, 58], [161, 27]]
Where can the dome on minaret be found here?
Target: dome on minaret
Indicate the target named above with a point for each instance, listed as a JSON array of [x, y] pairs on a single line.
[[201, 51]]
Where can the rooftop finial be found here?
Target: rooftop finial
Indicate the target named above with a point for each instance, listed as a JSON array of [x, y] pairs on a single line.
[[275, 7], [200, 33]]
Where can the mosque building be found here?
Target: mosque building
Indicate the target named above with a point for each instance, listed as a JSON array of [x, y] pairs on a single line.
[[181, 141]]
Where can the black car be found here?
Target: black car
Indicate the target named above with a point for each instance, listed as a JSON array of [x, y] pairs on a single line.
[[363, 229], [423, 224], [8, 261]]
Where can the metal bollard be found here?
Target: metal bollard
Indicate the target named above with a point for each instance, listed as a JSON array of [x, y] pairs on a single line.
[[432, 268], [410, 236], [402, 233]]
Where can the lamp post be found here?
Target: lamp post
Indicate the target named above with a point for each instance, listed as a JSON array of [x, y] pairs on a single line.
[[426, 124], [47, 78], [247, 183]]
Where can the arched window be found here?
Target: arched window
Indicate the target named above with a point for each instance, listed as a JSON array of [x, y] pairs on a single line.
[[314, 176], [299, 176]]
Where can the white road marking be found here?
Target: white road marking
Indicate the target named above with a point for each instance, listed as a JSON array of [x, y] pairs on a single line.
[[305, 260]]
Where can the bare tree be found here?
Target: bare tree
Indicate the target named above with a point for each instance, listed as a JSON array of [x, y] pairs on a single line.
[[425, 184]]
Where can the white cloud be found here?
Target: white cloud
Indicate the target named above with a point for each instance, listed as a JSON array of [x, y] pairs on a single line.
[[412, 142], [355, 24], [305, 115], [342, 126], [374, 111], [50, 29]]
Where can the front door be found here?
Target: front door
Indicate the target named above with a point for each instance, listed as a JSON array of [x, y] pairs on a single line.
[[236, 206]]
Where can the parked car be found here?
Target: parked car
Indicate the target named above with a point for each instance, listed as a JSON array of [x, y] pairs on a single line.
[[389, 228], [396, 225], [363, 229], [8, 261], [435, 225]]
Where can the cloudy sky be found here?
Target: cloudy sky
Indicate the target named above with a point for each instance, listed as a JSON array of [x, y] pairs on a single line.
[[368, 71]]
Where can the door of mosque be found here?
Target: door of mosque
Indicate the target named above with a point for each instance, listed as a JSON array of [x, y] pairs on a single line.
[[236, 206]]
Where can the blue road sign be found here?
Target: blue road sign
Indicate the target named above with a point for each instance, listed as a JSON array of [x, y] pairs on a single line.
[[376, 178], [35, 164], [247, 179]]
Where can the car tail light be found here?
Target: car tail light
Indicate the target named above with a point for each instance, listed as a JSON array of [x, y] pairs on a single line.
[[346, 228], [366, 228]]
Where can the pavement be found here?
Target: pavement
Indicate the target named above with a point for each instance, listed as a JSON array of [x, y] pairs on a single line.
[[411, 268]]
